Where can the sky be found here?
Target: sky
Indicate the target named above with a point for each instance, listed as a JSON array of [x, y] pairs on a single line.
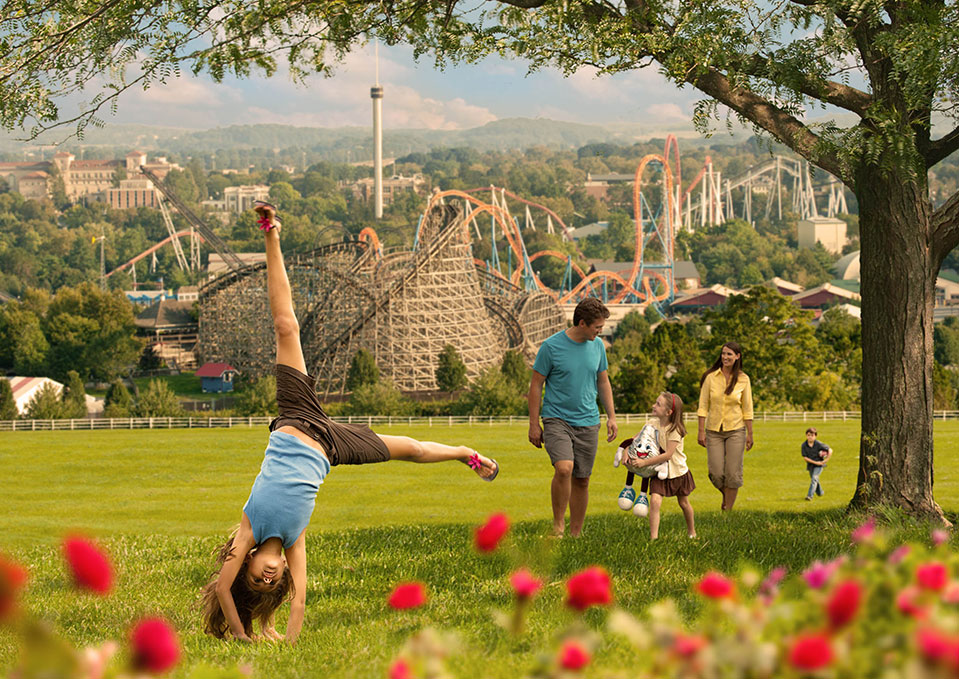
[[416, 95]]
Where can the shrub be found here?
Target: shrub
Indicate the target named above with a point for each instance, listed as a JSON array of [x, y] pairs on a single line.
[[158, 400], [363, 370], [491, 394], [450, 370], [45, 404], [257, 398], [118, 402], [379, 398]]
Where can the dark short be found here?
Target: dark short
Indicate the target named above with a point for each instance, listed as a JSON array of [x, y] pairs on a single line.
[[300, 407], [681, 485]]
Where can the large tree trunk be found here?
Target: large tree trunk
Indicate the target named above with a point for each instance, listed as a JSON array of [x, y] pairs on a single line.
[[899, 267]]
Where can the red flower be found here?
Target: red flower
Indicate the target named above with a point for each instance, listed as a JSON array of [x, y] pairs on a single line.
[[407, 595], [715, 586], [843, 604], [155, 647], [810, 652], [589, 587], [573, 656], [933, 645], [90, 567], [865, 532], [490, 533], [12, 578], [688, 646], [400, 669], [932, 575], [525, 585], [907, 602]]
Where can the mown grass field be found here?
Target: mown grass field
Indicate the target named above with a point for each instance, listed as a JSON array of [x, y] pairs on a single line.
[[161, 501]]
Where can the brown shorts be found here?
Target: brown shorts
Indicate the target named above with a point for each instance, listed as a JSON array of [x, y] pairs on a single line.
[[299, 407], [681, 485]]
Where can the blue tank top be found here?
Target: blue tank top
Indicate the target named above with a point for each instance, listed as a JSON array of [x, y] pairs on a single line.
[[284, 492]]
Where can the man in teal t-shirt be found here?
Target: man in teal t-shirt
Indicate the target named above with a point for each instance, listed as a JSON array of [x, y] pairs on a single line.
[[572, 366]]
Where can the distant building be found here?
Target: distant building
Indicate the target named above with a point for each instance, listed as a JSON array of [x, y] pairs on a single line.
[[392, 187], [825, 294], [133, 193], [171, 330], [188, 293], [239, 199], [684, 272], [703, 298], [28, 179], [947, 291], [826, 230], [216, 266], [597, 185], [594, 229], [216, 377], [148, 297], [25, 388], [786, 288], [847, 268]]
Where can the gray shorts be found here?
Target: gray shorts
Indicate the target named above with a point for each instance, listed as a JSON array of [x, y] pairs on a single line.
[[563, 441]]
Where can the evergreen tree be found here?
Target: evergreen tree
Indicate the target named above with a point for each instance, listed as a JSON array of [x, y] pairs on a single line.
[[74, 397], [118, 402], [450, 370], [257, 398], [363, 371], [158, 400], [515, 370], [8, 405], [45, 404]]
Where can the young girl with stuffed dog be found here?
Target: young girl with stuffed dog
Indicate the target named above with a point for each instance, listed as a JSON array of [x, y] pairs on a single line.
[[679, 483]]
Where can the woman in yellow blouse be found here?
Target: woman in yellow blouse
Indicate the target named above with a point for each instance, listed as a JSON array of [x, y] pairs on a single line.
[[726, 421]]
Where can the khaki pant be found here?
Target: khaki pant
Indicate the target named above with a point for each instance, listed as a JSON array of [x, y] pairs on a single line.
[[724, 457]]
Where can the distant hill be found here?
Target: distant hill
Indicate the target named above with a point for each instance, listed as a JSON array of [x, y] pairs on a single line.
[[345, 143]]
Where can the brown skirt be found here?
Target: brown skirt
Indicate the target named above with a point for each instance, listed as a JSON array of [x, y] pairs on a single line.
[[300, 407], [681, 485]]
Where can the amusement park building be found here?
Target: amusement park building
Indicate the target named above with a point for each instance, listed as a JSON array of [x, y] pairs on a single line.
[[239, 199], [828, 231], [392, 186]]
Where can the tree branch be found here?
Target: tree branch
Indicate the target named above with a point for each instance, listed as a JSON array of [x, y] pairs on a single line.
[[944, 225], [942, 147], [771, 118], [837, 94]]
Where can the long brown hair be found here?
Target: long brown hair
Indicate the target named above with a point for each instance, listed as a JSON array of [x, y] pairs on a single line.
[[250, 604], [737, 366], [676, 416]]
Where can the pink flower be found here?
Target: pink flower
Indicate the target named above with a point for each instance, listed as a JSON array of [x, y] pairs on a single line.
[[572, 656], [932, 576], [589, 587], [907, 601], [490, 533], [769, 586], [933, 644], [525, 585], [155, 647], [899, 554], [950, 594], [407, 595], [687, 646], [12, 579], [715, 586], [865, 532], [810, 652], [818, 573], [844, 603], [939, 537], [400, 669], [90, 567]]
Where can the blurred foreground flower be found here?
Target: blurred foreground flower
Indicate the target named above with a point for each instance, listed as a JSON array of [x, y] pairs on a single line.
[[525, 585], [90, 567], [715, 586], [13, 577], [589, 587], [844, 603], [573, 656], [810, 652], [865, 532], [933, 576], [154, 644], [400, 669], [407, 595], [488, 535]]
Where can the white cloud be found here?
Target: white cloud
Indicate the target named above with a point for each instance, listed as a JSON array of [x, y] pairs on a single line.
[[666, 112]]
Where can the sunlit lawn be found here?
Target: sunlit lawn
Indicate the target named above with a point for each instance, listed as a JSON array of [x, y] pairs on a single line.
[[161, 500]]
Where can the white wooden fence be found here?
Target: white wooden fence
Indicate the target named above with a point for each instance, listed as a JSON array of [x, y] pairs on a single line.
[[380, 420]]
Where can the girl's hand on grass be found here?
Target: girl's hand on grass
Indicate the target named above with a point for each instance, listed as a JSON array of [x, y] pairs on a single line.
[[272, 635]]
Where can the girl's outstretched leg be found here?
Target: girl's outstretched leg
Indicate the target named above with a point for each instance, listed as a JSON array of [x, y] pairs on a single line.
[[287, 329], [411, 450], [655, 503]]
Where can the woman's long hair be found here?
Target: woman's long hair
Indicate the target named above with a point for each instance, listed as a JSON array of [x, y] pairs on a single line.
[[250, 604], [676, 416], [737, 366]]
